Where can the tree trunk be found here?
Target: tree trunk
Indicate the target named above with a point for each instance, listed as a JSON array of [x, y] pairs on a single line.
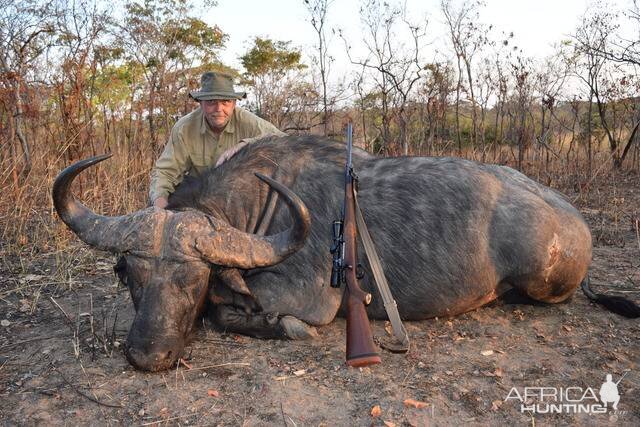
[[18, 129], [474, 116], [589, 134], [630, 141], [458, 136]]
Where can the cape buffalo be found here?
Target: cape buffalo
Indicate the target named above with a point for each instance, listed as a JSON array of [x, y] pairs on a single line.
[[452, 235]]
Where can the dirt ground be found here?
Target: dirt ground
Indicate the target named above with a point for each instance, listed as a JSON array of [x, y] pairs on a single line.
[[64, 320]]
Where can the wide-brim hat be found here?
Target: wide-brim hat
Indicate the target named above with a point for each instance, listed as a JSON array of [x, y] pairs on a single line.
[[216, 86]]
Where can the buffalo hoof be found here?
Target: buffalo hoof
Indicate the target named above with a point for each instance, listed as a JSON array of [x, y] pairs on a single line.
[[296, 329]]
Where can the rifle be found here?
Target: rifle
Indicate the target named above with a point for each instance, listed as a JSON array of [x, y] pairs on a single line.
[[361, 351]]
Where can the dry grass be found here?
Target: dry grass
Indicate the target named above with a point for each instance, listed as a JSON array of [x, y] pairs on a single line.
[[38, 254]]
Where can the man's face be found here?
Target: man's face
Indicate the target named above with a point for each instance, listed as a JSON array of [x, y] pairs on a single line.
[[218, 112]]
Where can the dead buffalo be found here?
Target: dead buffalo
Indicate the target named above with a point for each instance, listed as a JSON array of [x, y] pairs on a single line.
[[452, 235]]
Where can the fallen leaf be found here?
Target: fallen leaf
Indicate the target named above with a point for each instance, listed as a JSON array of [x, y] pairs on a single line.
[[213, 393], [495, 405], [486, 352], [496, 373], [415, 403], [389, 424], [567, 328], [376, 411], [388, 328], [300, 372]]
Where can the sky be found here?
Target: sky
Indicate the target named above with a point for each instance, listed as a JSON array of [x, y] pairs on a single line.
[[536, 24]]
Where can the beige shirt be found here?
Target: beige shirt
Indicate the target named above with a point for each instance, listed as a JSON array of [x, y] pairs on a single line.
[[193, 147]]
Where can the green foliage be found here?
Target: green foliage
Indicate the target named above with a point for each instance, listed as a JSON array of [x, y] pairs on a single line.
[[162, 31], [268, 56], [195, 33], [114, 84]]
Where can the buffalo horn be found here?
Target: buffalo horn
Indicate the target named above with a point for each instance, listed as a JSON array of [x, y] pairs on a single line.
[[226, 246], [101, 232]]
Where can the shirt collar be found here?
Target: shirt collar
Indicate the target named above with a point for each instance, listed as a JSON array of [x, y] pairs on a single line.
[[229, 128]]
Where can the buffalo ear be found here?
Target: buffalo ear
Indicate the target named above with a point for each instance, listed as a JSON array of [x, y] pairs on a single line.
[[232, 278]]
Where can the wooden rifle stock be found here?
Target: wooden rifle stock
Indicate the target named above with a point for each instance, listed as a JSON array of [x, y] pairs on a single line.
[[361, 350]]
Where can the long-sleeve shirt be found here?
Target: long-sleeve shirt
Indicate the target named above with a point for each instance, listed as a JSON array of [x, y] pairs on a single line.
[[193, 147]]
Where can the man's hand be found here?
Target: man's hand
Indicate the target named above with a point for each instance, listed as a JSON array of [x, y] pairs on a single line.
[[229, 153], [161, 202]]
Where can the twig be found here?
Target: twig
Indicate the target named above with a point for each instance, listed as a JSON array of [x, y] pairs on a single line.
[[34, 285], [74, 388], [286, 377], [200, 368], [284, 420], [186, 365], [14, 344], [63, 312], [167, 419]]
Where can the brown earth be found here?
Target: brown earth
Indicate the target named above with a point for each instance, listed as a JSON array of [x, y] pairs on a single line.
[[64, 320]]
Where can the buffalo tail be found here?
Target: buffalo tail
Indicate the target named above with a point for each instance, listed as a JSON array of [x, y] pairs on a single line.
[[616, 304]]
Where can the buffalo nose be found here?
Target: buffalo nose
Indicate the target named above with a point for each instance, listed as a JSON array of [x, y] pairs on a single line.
[[151, 361]]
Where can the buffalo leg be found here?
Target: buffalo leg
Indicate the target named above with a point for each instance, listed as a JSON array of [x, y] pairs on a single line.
[[261, 325]]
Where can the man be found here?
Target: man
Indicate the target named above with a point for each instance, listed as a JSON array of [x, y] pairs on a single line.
[[609, 392], [207, 136]]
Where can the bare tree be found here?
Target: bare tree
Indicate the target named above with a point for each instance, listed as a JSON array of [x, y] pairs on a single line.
[[435, 90], [521, 69], [623, 49], [80, 27], [467, 38], [318, 10], [607, 83], [549, 80], [26, 34], [395, 68]]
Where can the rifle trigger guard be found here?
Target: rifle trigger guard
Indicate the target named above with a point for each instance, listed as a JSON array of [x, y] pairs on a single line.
[[359, 272]]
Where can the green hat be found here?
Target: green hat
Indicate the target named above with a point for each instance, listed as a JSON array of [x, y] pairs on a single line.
[[216, 86]]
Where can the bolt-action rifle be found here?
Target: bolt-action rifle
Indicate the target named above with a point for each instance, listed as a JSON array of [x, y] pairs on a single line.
[[361, 350]]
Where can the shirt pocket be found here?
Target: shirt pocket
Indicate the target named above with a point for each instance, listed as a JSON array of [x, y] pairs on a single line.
[[198, 160]]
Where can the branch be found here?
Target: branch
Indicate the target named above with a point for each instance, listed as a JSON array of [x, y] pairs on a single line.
[[630, 141]]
